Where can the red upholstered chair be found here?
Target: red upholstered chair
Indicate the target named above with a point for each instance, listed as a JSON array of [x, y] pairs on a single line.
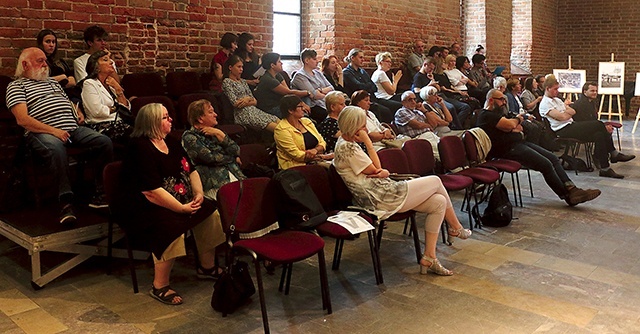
[[453, 157], [395, 161], [255, 201], [419, 154], [142, 84], [318, 178], [181, 83], [501, 165]]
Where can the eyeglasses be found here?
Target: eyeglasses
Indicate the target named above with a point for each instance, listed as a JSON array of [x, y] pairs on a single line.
[[500, 98]]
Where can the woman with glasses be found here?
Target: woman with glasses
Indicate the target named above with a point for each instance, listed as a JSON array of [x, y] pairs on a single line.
[[386, 87], [298, 141]]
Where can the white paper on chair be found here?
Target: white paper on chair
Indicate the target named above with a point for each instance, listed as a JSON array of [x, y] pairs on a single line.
[[351, 221]]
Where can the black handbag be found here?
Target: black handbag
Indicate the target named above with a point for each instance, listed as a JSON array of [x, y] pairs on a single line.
[[235, 287]]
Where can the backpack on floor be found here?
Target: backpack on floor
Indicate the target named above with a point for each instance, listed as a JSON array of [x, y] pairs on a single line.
[[570, 163], [499, 210], [298, 206]]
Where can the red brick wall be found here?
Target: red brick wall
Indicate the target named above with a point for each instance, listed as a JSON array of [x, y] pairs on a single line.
[[145, 35], [521, 33], [544, 16]]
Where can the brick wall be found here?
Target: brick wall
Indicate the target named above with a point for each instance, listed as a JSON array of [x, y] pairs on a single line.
[[521, 34], [544, 16], [145, 35]]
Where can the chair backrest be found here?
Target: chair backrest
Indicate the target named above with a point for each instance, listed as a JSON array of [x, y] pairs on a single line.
[[286, 78], [4, 83], [181, 83], [225, 111], [419, 154], [183, 106], [256, 206], [318, 178], [341, 194], [470, 147], [394, 160], [140, 102], [112, 176], [254, 153], [142, 84], [205, 79], [452, 153]]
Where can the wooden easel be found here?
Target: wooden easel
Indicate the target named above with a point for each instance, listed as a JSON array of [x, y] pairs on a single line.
[[572, 96], [610, 97]]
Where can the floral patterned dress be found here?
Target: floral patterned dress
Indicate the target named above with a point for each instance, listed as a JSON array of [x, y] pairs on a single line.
[[250, 115], [145, 169]]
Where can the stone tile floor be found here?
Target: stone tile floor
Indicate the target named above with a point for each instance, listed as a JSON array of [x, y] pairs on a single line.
[[554, 270]]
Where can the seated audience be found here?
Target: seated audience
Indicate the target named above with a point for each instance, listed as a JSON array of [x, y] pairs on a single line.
[[437, 112], [416, 58], [411, 121], [310, 79], [297, 139], [100, 96], [163, 200], [239, 93], [96, 39], [500, 83], [58, 68], [533, 129], [480, 75], [540, 80], [42, 108], [272, 86], [455, 49], [529, 98], [386, 89], [424, 78], [250, 58], [464, 113], [229, 44], [507, 141], [375, 192], [456, 77], [328, 128], [560, 116], [215, 84], [356, 78], [332, 70], [377, 132], [215, 155], [513, 97], [464, 66]]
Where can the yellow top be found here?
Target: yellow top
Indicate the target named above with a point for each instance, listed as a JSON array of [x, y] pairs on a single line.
[[290, 142]]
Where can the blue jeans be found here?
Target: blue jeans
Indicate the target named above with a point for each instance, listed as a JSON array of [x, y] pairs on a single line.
[[543, 161], [54, 153]]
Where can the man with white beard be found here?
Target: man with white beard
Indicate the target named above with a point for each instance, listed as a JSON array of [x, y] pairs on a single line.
[[51, 124]]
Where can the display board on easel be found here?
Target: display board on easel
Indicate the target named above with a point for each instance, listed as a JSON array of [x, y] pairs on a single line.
[[570, 80], [637, 93], [610, 86]]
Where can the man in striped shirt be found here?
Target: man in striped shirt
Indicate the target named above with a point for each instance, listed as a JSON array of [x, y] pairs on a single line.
[[43, 109]]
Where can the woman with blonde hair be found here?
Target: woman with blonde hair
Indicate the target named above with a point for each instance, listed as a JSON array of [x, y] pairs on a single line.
[[375, 192]]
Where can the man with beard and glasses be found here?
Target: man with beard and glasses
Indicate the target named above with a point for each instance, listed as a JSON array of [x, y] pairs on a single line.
[[43, 109], [507, 141]]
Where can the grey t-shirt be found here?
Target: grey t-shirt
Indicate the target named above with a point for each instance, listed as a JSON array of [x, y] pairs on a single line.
[[267, 98]]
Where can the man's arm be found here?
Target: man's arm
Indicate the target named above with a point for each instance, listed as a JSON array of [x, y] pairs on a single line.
[[561, 115], [510, 124], [33, 125]]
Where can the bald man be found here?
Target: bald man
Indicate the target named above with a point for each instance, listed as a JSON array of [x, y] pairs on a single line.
[[507, 141], [51, 125]]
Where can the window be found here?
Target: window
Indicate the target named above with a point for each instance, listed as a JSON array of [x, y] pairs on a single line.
[[287, 26]]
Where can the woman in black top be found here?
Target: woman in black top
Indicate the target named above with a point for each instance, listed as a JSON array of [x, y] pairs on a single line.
[[164, 200], [250, 58], [58, 68]]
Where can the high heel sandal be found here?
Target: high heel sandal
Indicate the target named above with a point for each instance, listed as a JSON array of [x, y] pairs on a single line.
[[461, 233], [435, 267]]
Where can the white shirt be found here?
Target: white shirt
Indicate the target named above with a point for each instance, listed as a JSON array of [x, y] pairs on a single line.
[[378, 77], [455, 76], [97, 102], [547, 104]]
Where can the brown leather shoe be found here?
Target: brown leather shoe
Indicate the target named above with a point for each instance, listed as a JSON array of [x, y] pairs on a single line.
[[622, 158], [577, 195], [611, 173]]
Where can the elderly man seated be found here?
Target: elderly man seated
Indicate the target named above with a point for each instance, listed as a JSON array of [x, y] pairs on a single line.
[[51, 124], [412, 121]]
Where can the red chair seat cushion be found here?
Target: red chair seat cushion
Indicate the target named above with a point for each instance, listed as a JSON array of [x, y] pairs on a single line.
[[455, 182], [509, 166], [481, 175], [284, 246]]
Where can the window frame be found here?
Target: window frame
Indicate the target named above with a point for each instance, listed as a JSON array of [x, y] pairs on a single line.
[[299, 15]]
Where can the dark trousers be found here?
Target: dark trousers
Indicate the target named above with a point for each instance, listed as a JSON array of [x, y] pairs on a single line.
[[594, 131], [543, 161]]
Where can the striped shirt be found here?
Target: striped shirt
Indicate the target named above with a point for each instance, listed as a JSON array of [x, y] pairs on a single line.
[[46, 102]]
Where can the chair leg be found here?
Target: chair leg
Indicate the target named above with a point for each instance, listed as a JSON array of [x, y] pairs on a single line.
[[282, 278], [517, 175], [324, 283], [263, 304], [132, 268], [530, 184], [618, 135], [380, 229], [375, 257], [289, 272], [416, 238], [109, 245], [337, 253]]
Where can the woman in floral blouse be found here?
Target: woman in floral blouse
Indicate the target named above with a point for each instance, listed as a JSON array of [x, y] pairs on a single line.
[[164, 200], [215, 155]]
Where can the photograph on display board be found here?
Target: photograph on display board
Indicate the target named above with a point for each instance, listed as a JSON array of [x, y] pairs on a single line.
[[571, 81], [637, 84], [611, 78]]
